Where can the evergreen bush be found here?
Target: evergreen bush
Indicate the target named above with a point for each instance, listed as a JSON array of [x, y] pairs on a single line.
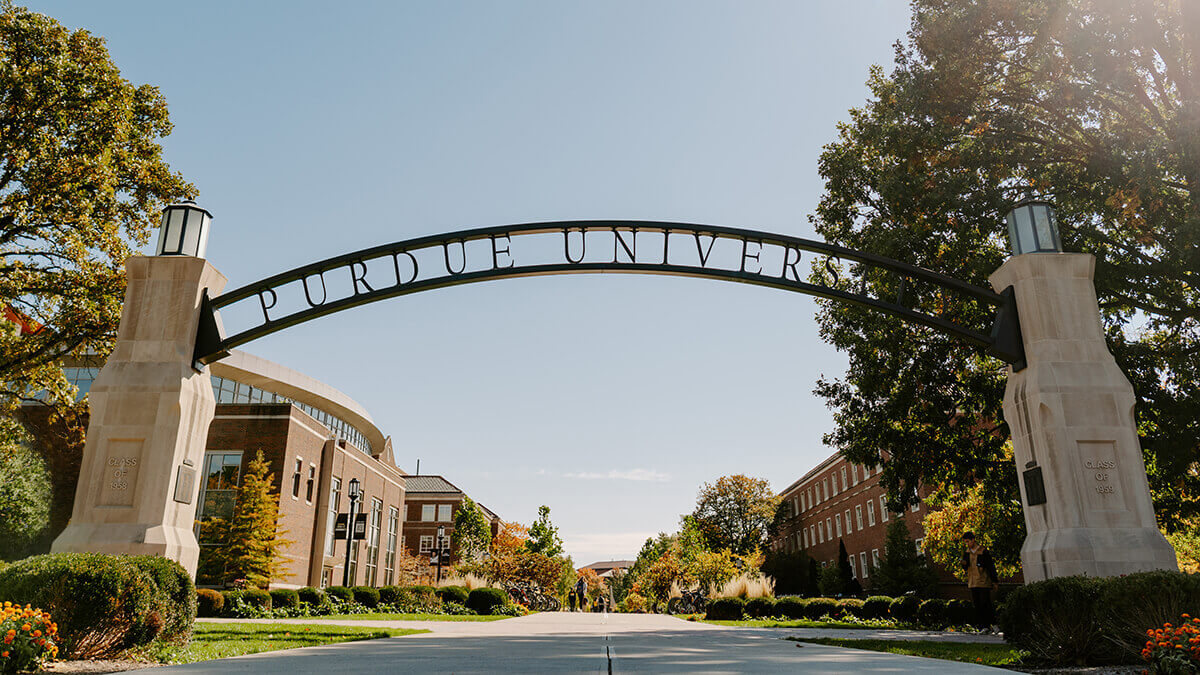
[[1131, 604], [257, 598], [483, 600], [876, 607], [725, 609], [366, 596], [342, 593], [209, 603], [758, 608], [103, 604], [852, 607], [177, 595], [932, 614], [904, 609], [284, 598], [1056, 620], [960, 613], [453, 594], [390, 595], [791, 607], [314, 597], [820, 607]]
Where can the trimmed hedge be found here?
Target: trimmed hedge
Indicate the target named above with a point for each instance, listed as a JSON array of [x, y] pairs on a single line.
[[819, 607], [904, 609], [791, 607], [315, 597], [457, 594], [178, 595], [103, 604], [726, 609], [851, 606], [209, 603], [390, 595], [960, 613], [341, 593], [758, 608], [484, 600], [1056, 620], [876, 607], [284, 598], [257, 597], [366, 596], [932, 613]]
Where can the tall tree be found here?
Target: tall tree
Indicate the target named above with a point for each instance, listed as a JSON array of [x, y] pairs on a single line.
[[249, 545], [735, 512], [902, 569], [1094, 104], [472, 534], [543, 535], [81, 179]]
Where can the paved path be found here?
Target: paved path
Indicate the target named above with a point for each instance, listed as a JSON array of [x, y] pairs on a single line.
[[571, 643]]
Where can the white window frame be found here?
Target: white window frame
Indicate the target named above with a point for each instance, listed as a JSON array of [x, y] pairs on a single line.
[[875, 557], [854, 473], [883, 509], [845, 485], [871, 513], [297, 477], [445, 513], [858, 516], [863, 560], [848, 528], [428, 513], [837, 521], [335, 498], [821, 532], [426, 543]]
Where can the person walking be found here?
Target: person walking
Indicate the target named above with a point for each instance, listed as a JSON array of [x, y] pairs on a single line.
[[571, 599], [581, 592], [981, 580]]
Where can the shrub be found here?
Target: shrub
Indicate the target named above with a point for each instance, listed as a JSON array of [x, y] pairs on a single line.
[[366, 596], [284, 598], [791, 607], [209, 603], [30, 638], [725, 609], [453, 594], [932, 613], [229, 599], [177, 595], [876, 607], [342, 593], [314, 597], [634, 603], [1131, 604], [851, 606], [257, 598], [391, 595], [819, 607], [422, 591], [904, 609], [960, 613], [484, 600], [1056, 620], [757, 608], [102, 603]]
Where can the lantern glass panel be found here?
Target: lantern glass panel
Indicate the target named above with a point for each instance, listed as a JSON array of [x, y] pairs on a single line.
[[193, 226], [172, 231]]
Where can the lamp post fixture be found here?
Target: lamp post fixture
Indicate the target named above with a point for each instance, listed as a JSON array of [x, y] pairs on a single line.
[[354, 495], [437, 551], [184, 230], [1033, 228]]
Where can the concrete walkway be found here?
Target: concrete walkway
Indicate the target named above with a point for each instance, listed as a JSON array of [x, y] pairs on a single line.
[[565, 642]]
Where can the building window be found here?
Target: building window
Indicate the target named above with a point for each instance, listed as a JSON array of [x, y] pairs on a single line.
[[853, 567], [312, 483], [795, 506], [821, 532], [810, 498], [845, 485], [916, 506], [812, 534], [833, 484], [854, 475], [426, 543], [335, 502], [824, 489], [389, 558], [871, 513], [804, 538], [296, 478], [858, 516], [326, 577], [373, 524], [866, 472], [428, 512], [829, 528], [920, 542], [848, 528], [445, 513], [862, 557], [354, 564], [837, 520], [799, 540], [218, 485], [883, 510], [875, 557]]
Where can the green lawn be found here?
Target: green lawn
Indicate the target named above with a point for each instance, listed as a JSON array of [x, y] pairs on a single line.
[[797, 623], [411, 617], [986, 654], [219, 640]]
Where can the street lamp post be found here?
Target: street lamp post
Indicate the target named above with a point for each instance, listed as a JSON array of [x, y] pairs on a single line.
[[437, 551], [354, 495]]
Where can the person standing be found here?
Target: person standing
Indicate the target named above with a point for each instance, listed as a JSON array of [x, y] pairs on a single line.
[[981, 580], [571, 599], [581, 592]]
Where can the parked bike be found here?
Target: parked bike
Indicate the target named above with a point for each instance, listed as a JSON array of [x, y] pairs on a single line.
[[691, 602]]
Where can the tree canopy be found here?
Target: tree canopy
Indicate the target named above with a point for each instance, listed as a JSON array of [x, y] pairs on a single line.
[[82, 178], [543, 535], [735, 512], [24, 492], [1093, 104], [472, 534]]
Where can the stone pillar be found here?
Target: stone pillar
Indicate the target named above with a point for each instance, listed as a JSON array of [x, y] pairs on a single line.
[[150, 412], [1071, 415]]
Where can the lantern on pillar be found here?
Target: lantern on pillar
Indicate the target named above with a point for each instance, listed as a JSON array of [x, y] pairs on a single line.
[[1033, 228], [184, 230]]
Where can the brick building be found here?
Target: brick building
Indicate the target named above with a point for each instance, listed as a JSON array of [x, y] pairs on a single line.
[[432, 502], [841, 501]]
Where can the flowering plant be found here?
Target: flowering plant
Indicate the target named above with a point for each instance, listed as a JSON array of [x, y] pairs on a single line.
[[1174, 649], [28, 637]]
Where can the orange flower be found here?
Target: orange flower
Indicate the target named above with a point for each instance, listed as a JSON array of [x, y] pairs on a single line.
[[4, 654]]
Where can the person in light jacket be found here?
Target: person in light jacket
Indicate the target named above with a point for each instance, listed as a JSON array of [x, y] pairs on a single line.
[[981, 580]]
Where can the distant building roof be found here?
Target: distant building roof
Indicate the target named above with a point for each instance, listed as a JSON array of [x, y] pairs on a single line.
[[606, 565], [429, 483]]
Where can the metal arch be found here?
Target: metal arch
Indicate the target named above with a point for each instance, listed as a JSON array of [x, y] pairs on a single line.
[[1003, 340]]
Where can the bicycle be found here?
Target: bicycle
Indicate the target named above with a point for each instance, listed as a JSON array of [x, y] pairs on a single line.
[[691, 602]]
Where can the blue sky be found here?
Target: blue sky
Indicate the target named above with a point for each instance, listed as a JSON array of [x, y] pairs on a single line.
[[313, 129]]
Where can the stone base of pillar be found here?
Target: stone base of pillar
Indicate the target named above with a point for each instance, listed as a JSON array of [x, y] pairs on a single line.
[[178, 544], [1095, 552]]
